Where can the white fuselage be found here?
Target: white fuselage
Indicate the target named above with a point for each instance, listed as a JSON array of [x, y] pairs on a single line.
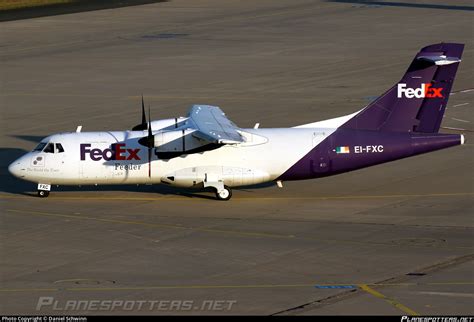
[[88, 159]]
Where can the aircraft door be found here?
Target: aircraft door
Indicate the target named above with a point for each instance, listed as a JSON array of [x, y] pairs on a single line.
[[93, 171], [60, 157], [51, 160]]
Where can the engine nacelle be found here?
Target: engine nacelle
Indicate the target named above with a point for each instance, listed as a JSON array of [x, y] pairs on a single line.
[[231, 176]]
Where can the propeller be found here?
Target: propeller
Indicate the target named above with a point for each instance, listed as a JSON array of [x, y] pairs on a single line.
[[148, 141], [142, 126]]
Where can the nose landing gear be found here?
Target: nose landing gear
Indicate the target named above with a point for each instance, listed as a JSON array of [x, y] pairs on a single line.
[[43, 193], [43, 190]]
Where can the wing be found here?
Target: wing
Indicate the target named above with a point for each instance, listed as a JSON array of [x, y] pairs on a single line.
[[212, 125]]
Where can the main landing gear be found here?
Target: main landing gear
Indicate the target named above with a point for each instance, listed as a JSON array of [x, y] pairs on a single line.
[[213, 181], [224, 194]]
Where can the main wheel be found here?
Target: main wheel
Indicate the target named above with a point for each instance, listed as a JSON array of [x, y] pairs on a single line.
[[224, 194], [43, 193]]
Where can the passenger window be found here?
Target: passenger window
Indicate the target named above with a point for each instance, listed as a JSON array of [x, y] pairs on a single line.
[[49, 148], [40, 147], [59, 148]]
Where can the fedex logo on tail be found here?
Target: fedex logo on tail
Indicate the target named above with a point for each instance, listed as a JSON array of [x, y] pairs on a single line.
[[424, 91]]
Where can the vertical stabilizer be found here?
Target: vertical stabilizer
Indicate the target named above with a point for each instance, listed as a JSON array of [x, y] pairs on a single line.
[[418, 101]]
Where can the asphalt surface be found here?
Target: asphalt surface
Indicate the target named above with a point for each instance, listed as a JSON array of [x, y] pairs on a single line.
[[45, 8], [391, 239]]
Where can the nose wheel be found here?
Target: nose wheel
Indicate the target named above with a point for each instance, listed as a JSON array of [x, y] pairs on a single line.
[[43, 190], [224, 194], [43, 193]]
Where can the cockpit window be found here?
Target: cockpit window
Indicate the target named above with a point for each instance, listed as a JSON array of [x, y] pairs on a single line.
[[40, 147], [49, 148], [59, 148]]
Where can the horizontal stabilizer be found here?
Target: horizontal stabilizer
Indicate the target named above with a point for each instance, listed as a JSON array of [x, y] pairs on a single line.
[[440, 59]]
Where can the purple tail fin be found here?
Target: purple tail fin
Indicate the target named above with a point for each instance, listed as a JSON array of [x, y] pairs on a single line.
[[418, 101]]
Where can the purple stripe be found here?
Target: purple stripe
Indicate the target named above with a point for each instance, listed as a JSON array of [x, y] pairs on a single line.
[[367, 148]]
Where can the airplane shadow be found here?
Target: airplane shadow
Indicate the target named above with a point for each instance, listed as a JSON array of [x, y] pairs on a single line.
[[10, 184]]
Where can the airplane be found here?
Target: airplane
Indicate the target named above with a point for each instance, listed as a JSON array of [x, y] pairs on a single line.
[[207, 150]]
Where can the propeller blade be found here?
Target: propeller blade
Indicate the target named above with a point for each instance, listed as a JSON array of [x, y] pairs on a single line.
[[149, 123], [148, 141], [143, 112], [149, 162], [151, 142], [143, 125]]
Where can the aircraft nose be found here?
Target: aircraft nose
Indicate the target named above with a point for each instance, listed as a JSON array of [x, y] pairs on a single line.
[[17, 169]]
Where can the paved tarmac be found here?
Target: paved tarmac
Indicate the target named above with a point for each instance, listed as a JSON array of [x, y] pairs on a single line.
[[390, 239]]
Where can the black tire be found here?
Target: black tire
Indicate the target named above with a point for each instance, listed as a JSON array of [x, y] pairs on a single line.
[[43, 193], [225, 195]]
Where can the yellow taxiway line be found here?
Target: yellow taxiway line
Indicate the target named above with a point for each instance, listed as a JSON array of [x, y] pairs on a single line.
[[393, 302]]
